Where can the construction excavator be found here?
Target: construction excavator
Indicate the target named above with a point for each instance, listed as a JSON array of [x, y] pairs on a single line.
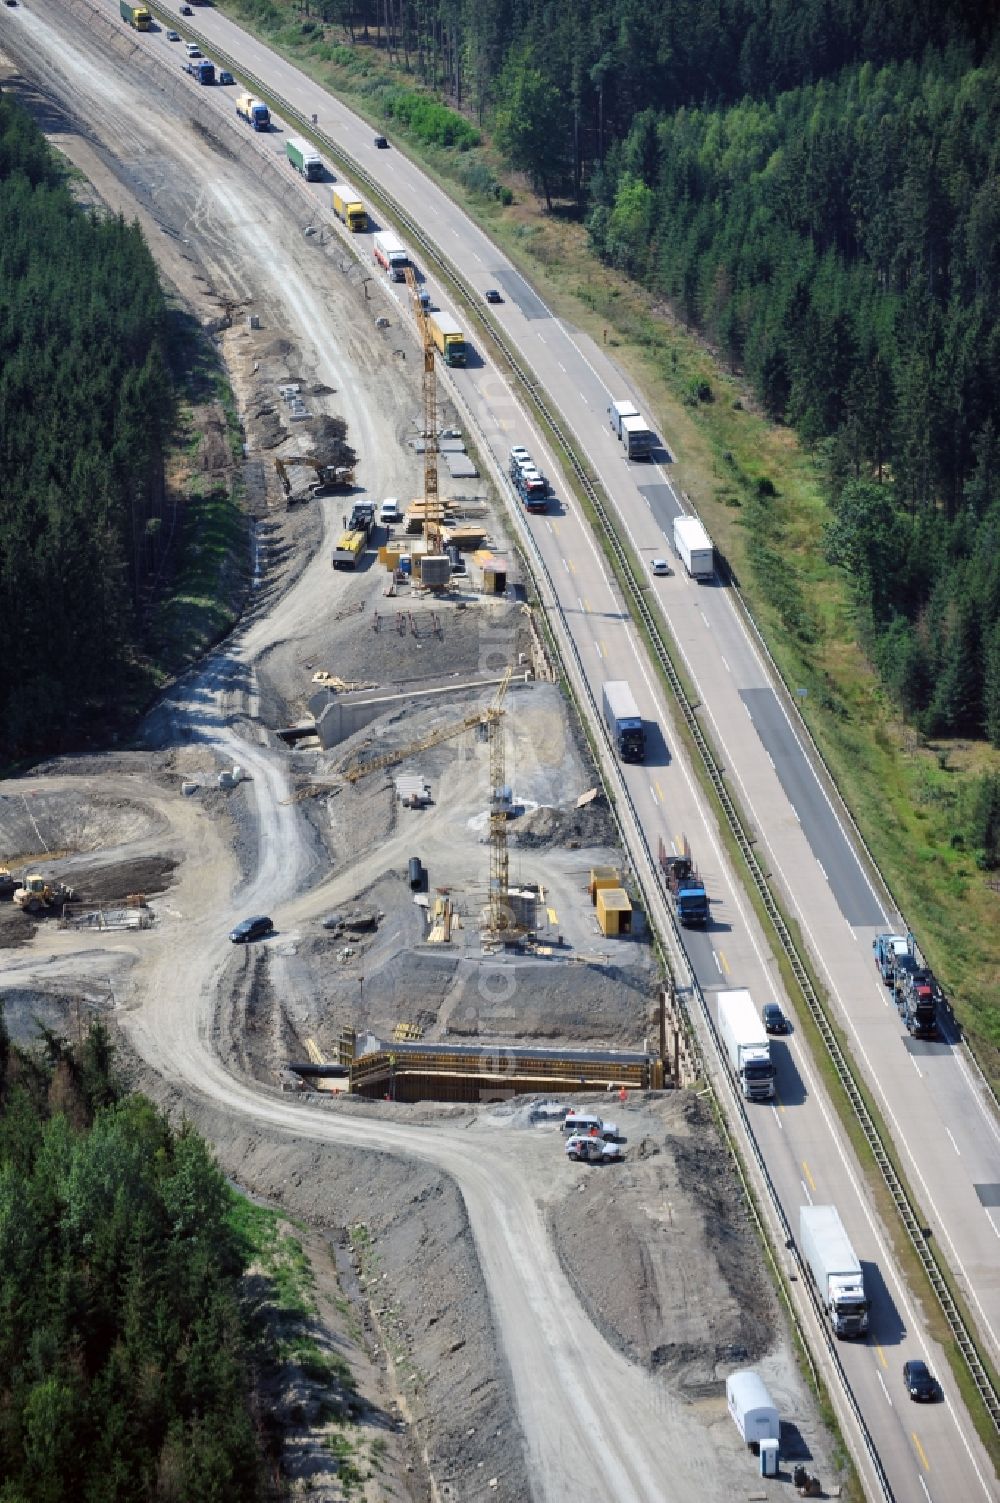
[[329, 477]]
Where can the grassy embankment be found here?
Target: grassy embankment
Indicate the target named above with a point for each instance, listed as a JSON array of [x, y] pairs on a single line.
[[761, 496]]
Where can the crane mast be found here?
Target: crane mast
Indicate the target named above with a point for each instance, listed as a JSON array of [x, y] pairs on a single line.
[[500, 920], [432, 515]]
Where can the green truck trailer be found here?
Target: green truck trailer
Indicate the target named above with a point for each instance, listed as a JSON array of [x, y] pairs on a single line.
[[304, 159], [136, 15]]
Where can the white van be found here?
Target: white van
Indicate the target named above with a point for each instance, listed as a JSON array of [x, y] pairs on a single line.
[[390, 511], [583, 1123]]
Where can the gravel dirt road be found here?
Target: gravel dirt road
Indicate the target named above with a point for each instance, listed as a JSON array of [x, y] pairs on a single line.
[[582, 1408]]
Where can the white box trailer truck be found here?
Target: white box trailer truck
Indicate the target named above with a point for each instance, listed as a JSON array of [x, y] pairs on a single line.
[[835, 1267], [618, 412], [391, 254], [747, 1046], [693, 547]]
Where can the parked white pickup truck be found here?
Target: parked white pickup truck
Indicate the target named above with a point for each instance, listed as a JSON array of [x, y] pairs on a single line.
[[588, 1150]]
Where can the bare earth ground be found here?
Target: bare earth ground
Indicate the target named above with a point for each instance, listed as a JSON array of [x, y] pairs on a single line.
[[454, 1249]]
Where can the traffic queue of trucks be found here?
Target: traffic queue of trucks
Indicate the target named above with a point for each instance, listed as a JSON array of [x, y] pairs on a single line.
[[136, 15]]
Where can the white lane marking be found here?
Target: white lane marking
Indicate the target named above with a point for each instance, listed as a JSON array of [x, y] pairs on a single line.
[[822, 869], [566, 566], [725, 664], [953, 1143], [550, 527], [777, 1115], [600, 651], [701, 613], [996, 1229], [923, 1484], [539, 335], [884, 1389], [656, 801], [561, 366], [718, 965], [805, 1191], [916, 1067]]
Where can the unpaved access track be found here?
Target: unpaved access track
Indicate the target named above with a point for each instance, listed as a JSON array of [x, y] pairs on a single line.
[[587, 1423]]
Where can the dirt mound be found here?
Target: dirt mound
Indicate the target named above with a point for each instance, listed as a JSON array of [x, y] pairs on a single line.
[[47, 820], [689, 1296], [112, 884], [590, 826]]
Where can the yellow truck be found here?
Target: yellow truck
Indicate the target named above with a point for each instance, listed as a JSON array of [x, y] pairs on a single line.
[[136, 15], [348, 207], [349, 549], [448, 337]]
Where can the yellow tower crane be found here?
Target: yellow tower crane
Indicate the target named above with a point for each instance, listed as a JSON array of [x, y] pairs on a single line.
[[432, 505], [501, 924]]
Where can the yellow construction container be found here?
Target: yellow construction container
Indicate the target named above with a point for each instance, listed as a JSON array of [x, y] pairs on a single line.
[[391, 552], [603, 877], [614, 911]]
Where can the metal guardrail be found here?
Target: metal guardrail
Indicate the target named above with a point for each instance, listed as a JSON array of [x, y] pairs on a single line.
[[634, 595]]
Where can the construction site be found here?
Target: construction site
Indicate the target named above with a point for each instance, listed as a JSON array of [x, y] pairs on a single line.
[[384, 759]]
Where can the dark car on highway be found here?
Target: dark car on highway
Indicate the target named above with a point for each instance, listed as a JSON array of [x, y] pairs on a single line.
[[920, 1382], [251, 928], [492, 295], [381, 143], [774, 1019]]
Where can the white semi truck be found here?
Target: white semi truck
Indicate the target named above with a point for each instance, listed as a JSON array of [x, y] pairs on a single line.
[[693, 547], [391, 254], [747, 1046], [834, 1265]]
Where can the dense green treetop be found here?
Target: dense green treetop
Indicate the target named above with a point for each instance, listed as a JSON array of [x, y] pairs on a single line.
[[85, 407], [123, 1371]]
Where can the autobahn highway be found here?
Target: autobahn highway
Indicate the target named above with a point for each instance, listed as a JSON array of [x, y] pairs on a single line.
[[939, 1113]]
